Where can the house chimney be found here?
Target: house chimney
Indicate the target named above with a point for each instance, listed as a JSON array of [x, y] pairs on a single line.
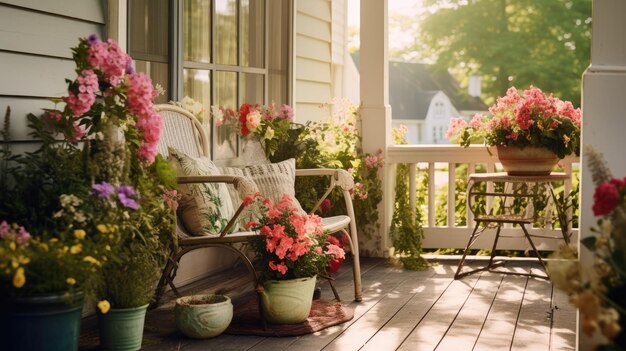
[[473, 88]]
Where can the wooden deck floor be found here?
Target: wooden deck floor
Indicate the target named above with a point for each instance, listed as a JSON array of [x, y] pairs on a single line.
[[405, 310]]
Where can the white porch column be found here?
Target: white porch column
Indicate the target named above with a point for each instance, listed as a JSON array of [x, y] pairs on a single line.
[[375, 108], [604, 108]]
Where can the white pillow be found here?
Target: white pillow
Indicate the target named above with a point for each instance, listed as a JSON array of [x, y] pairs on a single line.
[[204, 208]]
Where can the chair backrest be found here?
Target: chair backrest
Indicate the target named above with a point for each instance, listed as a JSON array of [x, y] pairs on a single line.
[[178, 125]]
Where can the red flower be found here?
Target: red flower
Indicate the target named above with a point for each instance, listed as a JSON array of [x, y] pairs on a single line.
[[605, 199], [334, 265], [243, 113]]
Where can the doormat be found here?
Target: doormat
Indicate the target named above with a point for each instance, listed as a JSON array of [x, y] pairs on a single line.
[[324, 314]]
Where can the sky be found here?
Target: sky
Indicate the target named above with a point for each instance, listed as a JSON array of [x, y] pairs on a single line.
[[403, 7]]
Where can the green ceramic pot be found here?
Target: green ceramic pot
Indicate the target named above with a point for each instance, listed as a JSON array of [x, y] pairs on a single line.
[[287, 301], [46, 322], [203, 316], [122, 328]]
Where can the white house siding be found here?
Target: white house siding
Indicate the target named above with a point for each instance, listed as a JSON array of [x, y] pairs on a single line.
[[313, 58], [35, 57]]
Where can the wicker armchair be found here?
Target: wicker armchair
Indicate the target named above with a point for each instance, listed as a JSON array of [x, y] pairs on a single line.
[[182, 131]]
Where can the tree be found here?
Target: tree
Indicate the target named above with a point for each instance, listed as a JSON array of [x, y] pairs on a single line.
[[510, 42]]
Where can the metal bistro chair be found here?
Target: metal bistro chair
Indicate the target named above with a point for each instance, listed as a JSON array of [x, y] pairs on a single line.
[[182, 131]]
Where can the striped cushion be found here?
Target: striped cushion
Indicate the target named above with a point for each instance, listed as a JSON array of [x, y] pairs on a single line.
[[273, 180]]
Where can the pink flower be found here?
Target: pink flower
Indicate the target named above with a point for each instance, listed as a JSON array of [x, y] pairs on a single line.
[[109, 58], [87, 86], [605, 199], [281, 267], [286, 112], [248, 200], [456, 125], [477, 121], [371, 161], [335, 250]]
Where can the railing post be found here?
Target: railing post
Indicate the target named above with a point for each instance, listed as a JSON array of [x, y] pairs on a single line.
[[431, 194], [412, 188], [451, 193]]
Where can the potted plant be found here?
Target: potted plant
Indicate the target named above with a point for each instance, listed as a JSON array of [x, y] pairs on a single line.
[[203, 316], [104, 180], [528, 125], [291, 250]]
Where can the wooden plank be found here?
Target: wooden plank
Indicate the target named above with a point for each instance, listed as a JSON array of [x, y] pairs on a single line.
[[432, 328], [313, 71], [89, 10], [316, 8], [312, 92], [308, 47], [25, 31], [309, 112], [313, 27], [20, 107], [564, 316], [465, 329], [497, 332], [533, 326], [34, 76], [393, 333], [376, 285]]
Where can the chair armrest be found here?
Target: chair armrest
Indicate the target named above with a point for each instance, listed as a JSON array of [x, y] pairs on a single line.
[[340, 176]]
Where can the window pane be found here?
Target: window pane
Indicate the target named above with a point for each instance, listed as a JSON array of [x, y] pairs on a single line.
[[278, 51], [226, 33], [197, 30], [197, 85], [158, 72], [226, 96], [149, 29], [253, 33], [251, 88]]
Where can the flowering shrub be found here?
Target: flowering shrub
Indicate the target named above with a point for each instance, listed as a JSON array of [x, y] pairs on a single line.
[[102, 198], [290, 245], [527, 119], [599, 291]]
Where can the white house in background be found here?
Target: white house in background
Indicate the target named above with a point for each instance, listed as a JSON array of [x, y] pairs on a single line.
[[424, 99]]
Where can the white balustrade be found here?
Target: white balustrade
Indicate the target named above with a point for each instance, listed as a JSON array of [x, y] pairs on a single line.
[[429, 158]]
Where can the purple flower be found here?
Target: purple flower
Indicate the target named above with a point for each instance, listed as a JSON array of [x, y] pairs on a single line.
[[23, 236], [129, 67], [125, 194], [92, 40], [4, 229], [103, 190]]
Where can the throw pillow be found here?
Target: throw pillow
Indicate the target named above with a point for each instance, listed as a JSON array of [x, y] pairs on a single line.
[[204, 208], [273, 181]]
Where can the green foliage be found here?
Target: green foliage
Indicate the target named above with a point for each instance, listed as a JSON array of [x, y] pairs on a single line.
[[335, 143], [510, 42], [405, 231]]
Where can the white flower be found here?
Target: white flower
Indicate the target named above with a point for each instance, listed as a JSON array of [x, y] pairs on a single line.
[[269, 133], [253, 119]]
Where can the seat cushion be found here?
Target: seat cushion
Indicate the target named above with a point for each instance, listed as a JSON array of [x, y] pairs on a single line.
[[204, 208], [335, 223]]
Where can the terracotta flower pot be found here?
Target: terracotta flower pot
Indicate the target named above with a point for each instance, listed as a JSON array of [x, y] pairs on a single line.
[[529, 161]]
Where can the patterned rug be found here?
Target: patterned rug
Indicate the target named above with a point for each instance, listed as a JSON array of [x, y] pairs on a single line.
[[324, 313]]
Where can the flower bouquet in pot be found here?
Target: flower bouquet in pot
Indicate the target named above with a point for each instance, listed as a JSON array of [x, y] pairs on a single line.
[[103, 181], [524, 125], [291, 250]]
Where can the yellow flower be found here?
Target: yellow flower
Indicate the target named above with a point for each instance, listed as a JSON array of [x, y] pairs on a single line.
[[24, 260], [566, 139], [12, 246], [76, 249], [44, 246], [102, 228], [79, 234], [107, 247], [65, 249], [54, 240], [19, 279], [91, 260], [104, 306], [70, 281]]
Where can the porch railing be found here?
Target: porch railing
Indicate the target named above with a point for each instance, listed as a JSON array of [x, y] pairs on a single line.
[[435, 158]]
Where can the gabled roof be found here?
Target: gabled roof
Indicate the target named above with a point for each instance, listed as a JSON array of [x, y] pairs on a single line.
[[413, 85]]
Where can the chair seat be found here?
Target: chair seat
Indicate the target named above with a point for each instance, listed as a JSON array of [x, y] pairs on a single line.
[[229, 238], [335, 223]]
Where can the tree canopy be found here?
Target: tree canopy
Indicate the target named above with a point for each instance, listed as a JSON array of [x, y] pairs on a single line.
[[510, 43]]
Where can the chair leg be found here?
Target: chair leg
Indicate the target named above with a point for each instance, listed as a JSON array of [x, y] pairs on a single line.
[[458, 273], [356, 266], [532, 244]]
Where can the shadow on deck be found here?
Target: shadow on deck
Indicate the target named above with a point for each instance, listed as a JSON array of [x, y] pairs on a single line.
[[401, 310]]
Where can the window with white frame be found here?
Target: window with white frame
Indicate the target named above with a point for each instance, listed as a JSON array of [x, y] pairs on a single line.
[[218, 52]]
